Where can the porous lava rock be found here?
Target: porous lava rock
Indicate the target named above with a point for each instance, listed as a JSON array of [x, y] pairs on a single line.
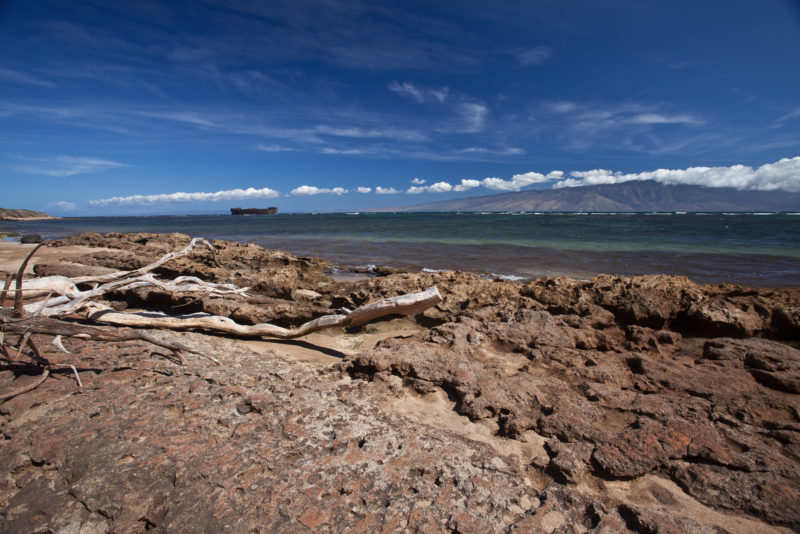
[[617, 404]]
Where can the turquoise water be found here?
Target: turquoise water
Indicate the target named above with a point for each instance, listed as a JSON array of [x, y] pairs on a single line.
[[757, 249]]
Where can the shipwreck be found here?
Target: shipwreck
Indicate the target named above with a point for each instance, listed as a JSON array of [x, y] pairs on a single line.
[[272, 210]]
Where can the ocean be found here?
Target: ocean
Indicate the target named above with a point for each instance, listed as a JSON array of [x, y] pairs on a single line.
[[761, 250]]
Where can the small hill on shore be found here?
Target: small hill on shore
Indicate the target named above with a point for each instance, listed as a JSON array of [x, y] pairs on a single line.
[[634, 196], [22, 215]]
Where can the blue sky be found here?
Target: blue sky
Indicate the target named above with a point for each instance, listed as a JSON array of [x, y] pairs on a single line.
[[150, 107]]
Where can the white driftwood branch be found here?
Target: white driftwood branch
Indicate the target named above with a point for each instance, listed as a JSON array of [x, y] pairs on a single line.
[[73, 303], [61, 285], [411, 304], [41, 287]]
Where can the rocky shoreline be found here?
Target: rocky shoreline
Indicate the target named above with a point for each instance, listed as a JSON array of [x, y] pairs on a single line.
[[641, 404]]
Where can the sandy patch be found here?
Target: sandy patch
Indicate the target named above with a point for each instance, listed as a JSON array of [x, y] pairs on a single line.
[[664, 496], [331, 346], [437, 410]]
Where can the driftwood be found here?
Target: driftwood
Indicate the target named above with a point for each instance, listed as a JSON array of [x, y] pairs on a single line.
[[49, 316], [411, 304]]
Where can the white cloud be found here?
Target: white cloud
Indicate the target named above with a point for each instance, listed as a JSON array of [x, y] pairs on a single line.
[[783, 174], [69, 166], [420, 94], [467, 184], [498, 184], [364, 189], [418, 181], [518, 181], [534, 56], [230, 194], [439, 187], [274, 148], [63, 205], [386, 190], [306, 190]]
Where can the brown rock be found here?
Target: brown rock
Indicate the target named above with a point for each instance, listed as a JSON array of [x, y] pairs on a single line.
[[774, 365], [69, 269], [609, 374]]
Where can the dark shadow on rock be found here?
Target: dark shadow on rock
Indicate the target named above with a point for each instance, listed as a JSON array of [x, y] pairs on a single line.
[[310, 346]]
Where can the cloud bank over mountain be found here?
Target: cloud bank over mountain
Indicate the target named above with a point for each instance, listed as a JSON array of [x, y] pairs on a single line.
[[782, 175]]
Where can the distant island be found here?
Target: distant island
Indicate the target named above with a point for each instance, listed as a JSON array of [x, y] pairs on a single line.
[[634, 196], [23, 215], [272, 210]]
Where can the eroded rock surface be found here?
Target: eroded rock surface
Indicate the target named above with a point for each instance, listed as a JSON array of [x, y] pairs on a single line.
[[644, 404]]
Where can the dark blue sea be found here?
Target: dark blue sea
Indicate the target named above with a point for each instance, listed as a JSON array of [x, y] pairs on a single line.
[[755, 249]]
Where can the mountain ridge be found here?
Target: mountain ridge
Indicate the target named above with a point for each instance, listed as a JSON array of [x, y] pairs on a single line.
[[634, 196]]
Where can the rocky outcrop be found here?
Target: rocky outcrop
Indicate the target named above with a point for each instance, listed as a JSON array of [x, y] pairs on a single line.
[[641, 404], [275, 445], [616, 400]]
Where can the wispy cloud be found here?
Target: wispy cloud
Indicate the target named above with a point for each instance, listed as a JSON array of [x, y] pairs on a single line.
[[68, 166], [594, 117], [420, 94], [309, 190], [274, 148], [470, 118], [657, 118], [468, 115], [356, 132], [793, 114], [634, 126], [346, 151], [510, 151], [533, 56], [16, 77], [167, 198], [62, 205], [307, 136], [364, 190], [418, 181]]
